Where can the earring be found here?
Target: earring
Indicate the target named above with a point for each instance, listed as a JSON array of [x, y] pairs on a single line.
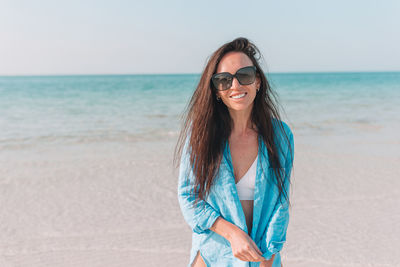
[[258, 89], [218, 98]]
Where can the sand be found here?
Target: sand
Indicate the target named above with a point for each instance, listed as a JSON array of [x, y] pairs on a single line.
[[116, 205]]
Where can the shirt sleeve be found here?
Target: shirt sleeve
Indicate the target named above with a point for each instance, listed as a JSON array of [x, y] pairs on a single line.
[[275, 235], [202, 216]]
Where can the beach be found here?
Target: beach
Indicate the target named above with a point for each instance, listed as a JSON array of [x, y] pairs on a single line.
[[86, 174]]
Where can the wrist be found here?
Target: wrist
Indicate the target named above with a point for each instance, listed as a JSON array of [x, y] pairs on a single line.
[[224, 228], [231, 231]]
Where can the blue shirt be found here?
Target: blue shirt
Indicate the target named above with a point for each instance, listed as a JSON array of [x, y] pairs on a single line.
[[270, 216]]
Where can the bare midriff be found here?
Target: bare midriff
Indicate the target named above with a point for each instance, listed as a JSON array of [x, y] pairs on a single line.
[[247, 206]]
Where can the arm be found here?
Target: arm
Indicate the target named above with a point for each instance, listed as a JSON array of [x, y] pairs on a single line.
[[224, 228], [201, 217], [243, 247], [275, 235]]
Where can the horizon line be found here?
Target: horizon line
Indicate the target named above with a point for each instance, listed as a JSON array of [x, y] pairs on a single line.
[[189, 73]]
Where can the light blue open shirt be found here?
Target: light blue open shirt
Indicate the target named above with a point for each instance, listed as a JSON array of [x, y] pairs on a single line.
[[270, 217]]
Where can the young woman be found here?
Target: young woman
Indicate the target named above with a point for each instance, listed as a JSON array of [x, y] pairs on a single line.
[[236, 157]]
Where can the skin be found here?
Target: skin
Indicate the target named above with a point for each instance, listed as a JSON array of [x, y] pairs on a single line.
[[243, 144]]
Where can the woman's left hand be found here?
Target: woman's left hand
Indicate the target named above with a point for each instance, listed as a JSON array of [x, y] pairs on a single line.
[[267, 263]]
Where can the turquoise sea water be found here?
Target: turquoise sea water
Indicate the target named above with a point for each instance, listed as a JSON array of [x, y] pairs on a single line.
[[131, 108]]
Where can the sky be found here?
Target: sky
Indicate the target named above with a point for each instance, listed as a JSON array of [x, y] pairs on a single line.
[[46, 37]]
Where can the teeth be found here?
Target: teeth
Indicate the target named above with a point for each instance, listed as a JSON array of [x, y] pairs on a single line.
[[239, 96]]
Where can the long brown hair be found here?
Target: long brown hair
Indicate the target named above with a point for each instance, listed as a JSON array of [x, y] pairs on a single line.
[[209, 124]]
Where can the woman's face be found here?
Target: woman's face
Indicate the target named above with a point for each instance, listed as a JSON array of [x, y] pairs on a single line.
[[231, 62]]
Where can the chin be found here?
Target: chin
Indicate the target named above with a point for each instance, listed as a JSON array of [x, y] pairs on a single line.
[[238, 107]]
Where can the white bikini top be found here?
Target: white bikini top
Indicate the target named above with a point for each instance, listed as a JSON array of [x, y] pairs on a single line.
[[245, 186]]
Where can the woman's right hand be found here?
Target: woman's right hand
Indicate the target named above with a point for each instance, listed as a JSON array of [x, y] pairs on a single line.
[[243, 247]]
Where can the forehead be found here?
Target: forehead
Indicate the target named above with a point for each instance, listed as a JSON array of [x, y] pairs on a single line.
[[232, 61]]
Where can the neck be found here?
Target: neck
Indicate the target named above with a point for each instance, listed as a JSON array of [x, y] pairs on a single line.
[[242, 125]]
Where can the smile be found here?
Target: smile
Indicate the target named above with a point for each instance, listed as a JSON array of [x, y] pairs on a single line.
[[238, 96]]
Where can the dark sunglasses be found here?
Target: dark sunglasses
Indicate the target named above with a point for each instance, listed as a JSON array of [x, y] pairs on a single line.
[[245, 76]]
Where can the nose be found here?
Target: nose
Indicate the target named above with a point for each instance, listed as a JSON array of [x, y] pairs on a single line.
[[235, 83]]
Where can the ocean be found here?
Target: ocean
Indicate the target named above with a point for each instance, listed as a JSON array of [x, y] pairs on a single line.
[[79, 109], [86, 173]]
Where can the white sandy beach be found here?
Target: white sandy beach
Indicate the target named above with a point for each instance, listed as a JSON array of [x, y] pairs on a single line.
[[116, 205]]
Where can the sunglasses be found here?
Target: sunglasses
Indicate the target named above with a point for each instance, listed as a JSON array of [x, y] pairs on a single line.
[[245, 76]]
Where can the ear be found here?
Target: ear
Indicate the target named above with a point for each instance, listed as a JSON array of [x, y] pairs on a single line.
[[258, 81]]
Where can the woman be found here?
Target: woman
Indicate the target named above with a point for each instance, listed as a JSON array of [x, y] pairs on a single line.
[[238, 155]]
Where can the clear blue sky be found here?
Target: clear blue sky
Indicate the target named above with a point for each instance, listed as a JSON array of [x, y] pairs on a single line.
[[121, 36]]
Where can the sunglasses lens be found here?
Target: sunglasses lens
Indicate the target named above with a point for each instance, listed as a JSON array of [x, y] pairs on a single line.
[[222, 81], [246, 75]]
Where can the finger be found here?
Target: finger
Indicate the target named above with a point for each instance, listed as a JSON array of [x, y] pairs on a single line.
[[241, 256], [256, 247], [255, 252], [248, 257], [255, 256], [260, 256], [245, 256]]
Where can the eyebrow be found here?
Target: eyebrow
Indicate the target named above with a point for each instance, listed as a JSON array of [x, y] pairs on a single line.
[[236, 70]]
